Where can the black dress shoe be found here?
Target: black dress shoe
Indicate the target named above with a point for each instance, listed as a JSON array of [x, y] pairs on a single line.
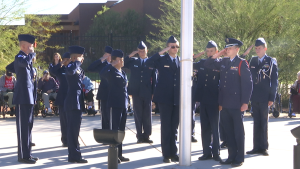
[[35, 158], [224, 144], [175, 158], [123, 159], [226, 162], [147, 141], [217, 158], [265, 152], [194, 140], [27, 161], [236, 164], [254, 151], [78, 161], [205, 157], [140, 141], [166, 160], [32, 144]]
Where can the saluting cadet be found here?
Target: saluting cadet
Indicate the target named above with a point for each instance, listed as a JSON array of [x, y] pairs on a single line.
[[141, 87], [234, 94], [117, 94], [102, 93], [74, 103], [59, 70], [265, 81], [24, 97], [166, 94], [207, 93]]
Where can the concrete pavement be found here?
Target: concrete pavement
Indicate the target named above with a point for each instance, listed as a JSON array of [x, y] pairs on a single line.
[[46, 136]]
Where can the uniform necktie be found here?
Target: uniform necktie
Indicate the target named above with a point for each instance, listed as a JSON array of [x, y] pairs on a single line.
[[174, 64], [143, 63]]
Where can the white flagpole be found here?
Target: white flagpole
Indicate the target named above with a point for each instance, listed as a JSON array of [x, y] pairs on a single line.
[[187, 23]]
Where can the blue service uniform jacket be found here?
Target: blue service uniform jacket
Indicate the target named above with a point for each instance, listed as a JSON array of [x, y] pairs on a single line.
[[97, 66], [117, 82], [25, 88], [142, 79], [207, 88], [235, 88], [60, 72], [168, 82], [75, 96], [264, 85]]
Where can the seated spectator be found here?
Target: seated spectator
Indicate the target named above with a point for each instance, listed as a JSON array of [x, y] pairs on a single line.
[[296, 95], [7, 84], [88, 89], [48, 87]]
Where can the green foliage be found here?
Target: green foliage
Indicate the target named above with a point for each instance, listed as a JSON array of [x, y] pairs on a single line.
[[129, 23], [275, 20], [41, 26]]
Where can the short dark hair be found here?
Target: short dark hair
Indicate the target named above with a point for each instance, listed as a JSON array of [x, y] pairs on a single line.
[[113, 57]]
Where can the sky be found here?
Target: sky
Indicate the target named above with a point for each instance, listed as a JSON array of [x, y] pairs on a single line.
[[53, 7]]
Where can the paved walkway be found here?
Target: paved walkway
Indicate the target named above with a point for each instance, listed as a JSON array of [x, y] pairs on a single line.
[[46, 136]]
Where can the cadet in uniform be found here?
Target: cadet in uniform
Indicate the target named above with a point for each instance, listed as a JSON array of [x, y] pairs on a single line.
[[102, 93], [141, 86], [207, 94], [59, 71], [117, 94], [166, 94], [265, 81], [234, 94], [24, 97], [74, 103]]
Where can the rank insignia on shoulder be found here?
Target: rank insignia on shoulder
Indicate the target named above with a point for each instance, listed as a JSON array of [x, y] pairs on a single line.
[[166, 66], [20, 56], [274, 61], [136, 66], [234, 68], [69, 65]]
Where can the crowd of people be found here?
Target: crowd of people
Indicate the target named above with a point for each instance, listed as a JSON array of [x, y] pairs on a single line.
[[223, 86]]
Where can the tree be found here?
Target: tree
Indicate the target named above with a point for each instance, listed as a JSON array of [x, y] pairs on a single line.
[[41, 26], [246, 20]]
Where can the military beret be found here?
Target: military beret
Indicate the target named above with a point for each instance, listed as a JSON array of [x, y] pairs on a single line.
[[233, 42], [260, 41], [117, 53], [172, 39], [66, 55], [26, 37], [211, 44], [108, 49], [45, 72], [142, 45], [76, 49]]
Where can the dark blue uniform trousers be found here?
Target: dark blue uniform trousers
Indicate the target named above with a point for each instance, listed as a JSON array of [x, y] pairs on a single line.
[[63, 124], [209, 118], [193, 117], [169, 118], [73, 127], [104, 115], [222, 130], [260, 127], [142, 117], [119, 117], [24, 120], [232, 120]]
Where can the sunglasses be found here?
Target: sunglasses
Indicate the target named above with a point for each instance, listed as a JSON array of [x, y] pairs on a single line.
[[173, 47]]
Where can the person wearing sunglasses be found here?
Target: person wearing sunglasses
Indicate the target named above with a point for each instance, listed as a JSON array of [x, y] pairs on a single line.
[[166, 94]]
